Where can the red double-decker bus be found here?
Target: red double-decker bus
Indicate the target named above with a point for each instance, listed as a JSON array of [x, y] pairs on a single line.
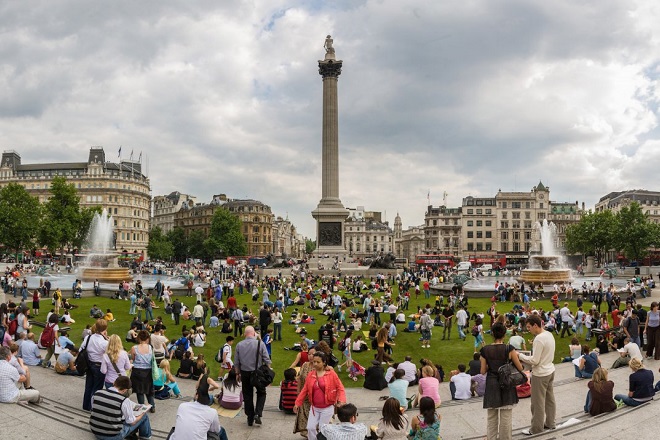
[[497, 260], [441, 260]]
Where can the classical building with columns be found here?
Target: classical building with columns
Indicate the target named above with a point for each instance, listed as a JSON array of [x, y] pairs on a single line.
[[366, 234], [120, 188]]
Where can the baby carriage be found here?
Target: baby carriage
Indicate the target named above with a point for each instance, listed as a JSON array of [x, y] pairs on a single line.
[[355, 371]]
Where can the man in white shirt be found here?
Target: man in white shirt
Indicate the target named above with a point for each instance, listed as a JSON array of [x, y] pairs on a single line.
[[198, 313], [195, 419], [566, 319], [460, 384], [10, 378], [543, 375], [199, 291], [461, 322], [629, 351], [411, 371]]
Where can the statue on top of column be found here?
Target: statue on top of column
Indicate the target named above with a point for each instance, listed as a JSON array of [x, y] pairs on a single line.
[[328, 45]]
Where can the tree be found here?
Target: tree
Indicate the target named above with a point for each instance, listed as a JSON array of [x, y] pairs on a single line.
[[20, 214], [592, 235], [61, 226], [177, 237], [159, 247], [225, 237], [634, 233], [310, 246], [197, 244]]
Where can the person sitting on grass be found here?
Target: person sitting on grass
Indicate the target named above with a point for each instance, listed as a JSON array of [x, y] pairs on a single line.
[[109, 316]]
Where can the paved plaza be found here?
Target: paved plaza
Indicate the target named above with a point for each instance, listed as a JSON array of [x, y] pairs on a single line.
[[61, 416]]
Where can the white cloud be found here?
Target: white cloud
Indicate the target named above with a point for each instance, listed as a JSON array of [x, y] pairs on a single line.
[[225, 97]]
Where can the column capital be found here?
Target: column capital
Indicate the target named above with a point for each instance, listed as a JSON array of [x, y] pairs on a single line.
[[330, 68]]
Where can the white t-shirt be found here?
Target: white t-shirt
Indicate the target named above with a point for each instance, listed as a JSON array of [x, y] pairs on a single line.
[[463, 383]]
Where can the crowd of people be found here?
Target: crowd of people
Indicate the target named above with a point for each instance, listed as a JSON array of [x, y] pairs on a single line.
[[312, 388]]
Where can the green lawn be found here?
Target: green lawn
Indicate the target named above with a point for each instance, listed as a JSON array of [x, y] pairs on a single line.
[[446, 353]]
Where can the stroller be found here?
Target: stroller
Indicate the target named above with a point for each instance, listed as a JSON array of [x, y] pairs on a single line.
[[355, 371]]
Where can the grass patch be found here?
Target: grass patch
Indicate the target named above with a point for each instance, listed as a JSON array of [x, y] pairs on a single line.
[[448, 353]]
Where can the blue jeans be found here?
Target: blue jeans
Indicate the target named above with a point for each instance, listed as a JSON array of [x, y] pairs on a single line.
[[581, 373], [587, 402], [143, 426], [629, 401], [277, 331], [461, 334]]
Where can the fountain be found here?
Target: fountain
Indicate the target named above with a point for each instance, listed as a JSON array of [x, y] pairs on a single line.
[[549, 267], [102, 260]]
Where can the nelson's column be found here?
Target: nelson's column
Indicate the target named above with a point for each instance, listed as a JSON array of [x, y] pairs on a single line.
[[330, 213]]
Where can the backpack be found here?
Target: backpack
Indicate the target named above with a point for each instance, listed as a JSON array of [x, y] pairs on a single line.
[[13, 326], [2, 332], [47, 336], [221, 353], [342, 345], [475, 331]]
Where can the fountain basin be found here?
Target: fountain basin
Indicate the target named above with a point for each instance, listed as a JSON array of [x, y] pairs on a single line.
[[105, 274], [545, 276]]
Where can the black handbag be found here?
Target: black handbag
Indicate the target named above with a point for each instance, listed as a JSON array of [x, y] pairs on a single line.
[[263, 374], [508, 375], [82, 360]]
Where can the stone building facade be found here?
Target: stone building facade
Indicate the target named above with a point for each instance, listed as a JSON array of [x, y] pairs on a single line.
[[408, 243], [120, 188], [164, 209], [366, 234]]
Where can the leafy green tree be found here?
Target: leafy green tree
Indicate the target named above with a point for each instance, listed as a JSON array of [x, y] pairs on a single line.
[[634, 233], [61, 226], [196, 244], [310, 246], [592, 235], [177, 237], [20, 214], [225, 237], [159, 247]]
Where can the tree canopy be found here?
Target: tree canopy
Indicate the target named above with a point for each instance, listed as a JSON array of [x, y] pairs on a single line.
[[20, 215], [159, 247], [592, 235], [225, 237], [634, 233]]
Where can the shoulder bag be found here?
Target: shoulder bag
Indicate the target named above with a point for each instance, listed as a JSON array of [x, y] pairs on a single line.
[[263, 374], [82, 360], [508, 375]]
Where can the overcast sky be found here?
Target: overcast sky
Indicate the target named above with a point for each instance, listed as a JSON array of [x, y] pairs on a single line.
[[466, 97]]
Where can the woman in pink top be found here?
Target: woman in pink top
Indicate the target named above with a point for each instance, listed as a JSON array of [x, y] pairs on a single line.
[[428, 386]]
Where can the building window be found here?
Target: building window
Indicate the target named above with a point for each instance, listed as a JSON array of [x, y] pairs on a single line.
[[479, 211], [505, 214], [516, 246], [489, 246], [480, 234], [528, 205], [470, 246], [505, 235], [528, 235], [480, 246], [504, 225], [470, 211], [515, 215], [488, 223], [489, 234], [516, 225], [541, 215], [528, 215], [515, 205], [470, 223], [503, 205], [505, 246], [516, 235], [528, 225], [470, 234], [489, 211]]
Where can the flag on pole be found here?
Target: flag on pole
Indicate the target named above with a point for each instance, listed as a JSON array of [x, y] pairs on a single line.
[[428, 197], [140, 158], [120, 152], [131, 156]]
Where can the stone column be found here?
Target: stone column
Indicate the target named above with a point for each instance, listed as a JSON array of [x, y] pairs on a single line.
[[330, 213]]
